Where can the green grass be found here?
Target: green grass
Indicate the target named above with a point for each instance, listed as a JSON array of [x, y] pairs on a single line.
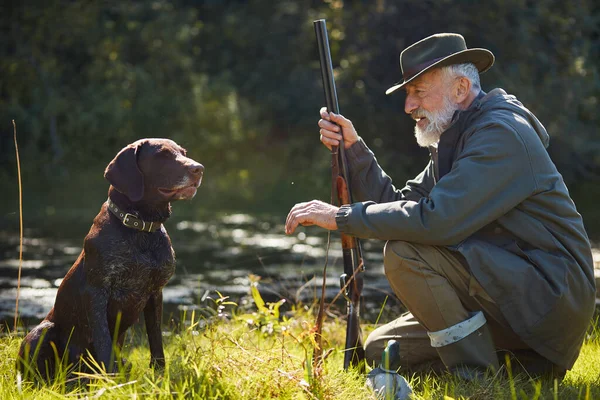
[[262, 355]]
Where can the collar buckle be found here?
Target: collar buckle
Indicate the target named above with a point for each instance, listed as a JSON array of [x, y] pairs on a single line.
[[131, 221]]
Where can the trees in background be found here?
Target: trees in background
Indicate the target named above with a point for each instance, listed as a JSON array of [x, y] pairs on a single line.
[[238, 84]]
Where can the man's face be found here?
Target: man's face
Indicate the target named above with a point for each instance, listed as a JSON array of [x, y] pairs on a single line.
[[429, 102]]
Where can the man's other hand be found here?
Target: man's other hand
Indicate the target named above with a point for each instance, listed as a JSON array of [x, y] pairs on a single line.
[[314, 212]]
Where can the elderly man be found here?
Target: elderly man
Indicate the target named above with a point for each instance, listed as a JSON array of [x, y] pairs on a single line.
[[485, 248]]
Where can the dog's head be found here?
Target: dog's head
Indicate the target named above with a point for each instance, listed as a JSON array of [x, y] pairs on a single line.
[[156, 170]]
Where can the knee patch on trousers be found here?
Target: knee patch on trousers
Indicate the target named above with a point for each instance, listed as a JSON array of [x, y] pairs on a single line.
[[395, 249]]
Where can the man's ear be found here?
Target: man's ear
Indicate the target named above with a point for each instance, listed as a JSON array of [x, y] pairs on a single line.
[[462, 89], [124, 174]]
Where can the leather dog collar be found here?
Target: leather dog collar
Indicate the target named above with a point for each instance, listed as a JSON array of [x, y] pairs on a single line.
[[132, 221]]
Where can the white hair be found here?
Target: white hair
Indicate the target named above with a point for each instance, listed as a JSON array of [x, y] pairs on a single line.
[[468, 70]]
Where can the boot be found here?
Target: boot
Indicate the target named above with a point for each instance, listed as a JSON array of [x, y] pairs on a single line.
[[467, 348], [528, 362]]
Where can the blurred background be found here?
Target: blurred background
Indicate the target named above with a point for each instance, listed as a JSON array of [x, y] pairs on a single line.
[[238, 84]]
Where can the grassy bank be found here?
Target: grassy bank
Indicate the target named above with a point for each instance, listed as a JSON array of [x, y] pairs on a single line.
[[225, 352]]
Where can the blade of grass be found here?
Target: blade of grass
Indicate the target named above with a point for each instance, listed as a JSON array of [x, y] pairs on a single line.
[[20, 226]]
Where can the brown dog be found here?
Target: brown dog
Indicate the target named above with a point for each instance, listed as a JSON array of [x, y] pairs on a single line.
[[126, 260]]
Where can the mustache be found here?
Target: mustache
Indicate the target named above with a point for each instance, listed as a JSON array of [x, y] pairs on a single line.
[[419, 113]]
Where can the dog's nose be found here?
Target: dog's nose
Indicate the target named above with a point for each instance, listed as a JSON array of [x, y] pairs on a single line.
[[197, 169]]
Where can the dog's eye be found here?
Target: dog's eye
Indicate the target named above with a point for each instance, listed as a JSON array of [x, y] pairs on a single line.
[[166, 153]]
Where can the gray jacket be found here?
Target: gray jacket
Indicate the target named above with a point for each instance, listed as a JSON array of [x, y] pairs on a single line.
[[492, 193]]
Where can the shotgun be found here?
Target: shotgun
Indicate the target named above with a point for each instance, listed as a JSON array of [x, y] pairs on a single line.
[[351, 281]]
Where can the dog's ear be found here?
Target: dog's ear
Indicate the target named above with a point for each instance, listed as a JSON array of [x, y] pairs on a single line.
[[124, 174]]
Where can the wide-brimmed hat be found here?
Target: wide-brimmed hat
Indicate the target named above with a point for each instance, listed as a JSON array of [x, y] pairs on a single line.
[[437, 51]]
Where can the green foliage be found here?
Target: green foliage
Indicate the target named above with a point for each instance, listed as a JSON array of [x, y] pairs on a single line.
[[217, 358], [221, 303], [266, 317], [238, 84]]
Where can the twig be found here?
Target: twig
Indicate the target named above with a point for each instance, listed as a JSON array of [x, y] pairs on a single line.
[[318, 347], [20, 225]]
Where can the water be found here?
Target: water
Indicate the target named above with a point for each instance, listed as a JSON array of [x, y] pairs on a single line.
[[212, 255]]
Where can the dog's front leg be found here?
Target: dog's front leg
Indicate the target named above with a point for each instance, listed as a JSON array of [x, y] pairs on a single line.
[[153, 317], [96, 303]]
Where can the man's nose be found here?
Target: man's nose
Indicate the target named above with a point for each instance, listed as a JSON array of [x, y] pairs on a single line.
[[410, 104]]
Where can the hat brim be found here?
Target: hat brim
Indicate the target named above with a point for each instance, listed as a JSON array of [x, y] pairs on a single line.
[[482, 58]]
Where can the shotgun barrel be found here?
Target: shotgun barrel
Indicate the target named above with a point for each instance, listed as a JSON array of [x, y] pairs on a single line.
[[351, 281]]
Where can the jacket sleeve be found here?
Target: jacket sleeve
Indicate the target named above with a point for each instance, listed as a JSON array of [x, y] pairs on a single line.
[[370, 182], [491, 175]]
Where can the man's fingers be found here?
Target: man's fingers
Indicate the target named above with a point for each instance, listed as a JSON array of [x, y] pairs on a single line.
[[324, 113], [334, 119], [335, 125], [329, 142], [300, 214], [330, 126], [330, 135], [297, 217], [330, 132], [340, 120], [291, 213], [291, 221]]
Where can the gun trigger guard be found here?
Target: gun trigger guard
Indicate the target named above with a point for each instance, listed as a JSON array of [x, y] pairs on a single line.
[[344, 286]]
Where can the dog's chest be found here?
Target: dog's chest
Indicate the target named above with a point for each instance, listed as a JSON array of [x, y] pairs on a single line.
[[143, 265]]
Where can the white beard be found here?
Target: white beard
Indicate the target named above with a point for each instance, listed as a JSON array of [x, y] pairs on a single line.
[[437, 123]]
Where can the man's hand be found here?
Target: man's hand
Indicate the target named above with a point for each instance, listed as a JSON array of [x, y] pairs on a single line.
[[331, 124], [314, 212]]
